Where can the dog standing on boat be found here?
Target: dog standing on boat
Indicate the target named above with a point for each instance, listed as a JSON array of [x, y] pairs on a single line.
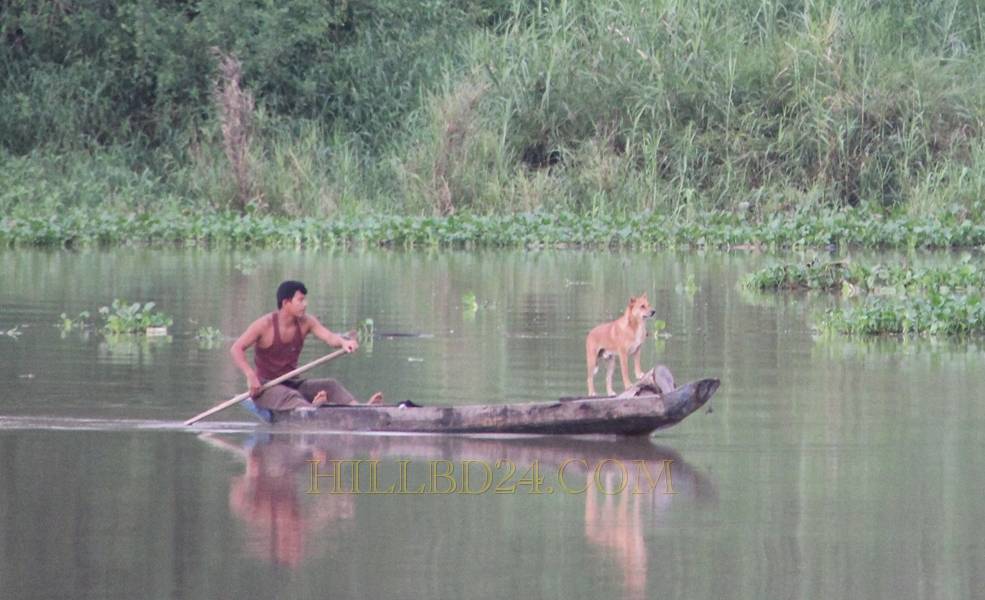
[[623, 337]]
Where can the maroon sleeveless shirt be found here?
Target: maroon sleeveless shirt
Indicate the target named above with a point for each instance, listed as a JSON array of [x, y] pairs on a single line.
[[280, 357]]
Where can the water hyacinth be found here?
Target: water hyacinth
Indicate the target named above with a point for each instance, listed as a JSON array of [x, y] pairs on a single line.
[[888, 299], [82, 226], [122, 317], [934, 314], [209, 337], [847, 275]]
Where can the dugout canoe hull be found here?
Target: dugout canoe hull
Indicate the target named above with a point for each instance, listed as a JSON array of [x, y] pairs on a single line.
[[638, 415]]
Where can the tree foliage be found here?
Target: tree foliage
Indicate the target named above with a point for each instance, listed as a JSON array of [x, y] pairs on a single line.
[[101, 71]]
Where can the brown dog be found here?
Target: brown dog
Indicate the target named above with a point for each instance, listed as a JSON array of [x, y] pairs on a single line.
[[624, 337]]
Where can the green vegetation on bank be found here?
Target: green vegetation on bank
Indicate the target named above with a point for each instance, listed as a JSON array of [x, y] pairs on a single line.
[[672, 112], [79, 227], [888, 299]]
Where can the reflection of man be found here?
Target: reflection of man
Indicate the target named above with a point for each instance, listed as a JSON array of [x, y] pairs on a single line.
[[267, 497], [277, 339]]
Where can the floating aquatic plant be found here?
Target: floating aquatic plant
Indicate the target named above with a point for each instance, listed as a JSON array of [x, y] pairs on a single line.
[[122, 317]]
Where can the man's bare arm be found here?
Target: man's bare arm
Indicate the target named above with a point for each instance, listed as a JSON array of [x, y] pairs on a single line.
[[330, 337], [238, 351]]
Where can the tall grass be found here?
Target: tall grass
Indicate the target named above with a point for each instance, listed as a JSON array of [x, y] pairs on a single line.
[[299, 169], [43, 185], [626, 106], [676, 106], [309, 171]]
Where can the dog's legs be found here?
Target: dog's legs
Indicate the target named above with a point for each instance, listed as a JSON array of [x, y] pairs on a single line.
[[591, 356], [624, 368], [636, 363], [610, 369]]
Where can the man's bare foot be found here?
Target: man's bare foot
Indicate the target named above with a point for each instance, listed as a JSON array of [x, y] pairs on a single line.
[[320, 399], [376, 398]]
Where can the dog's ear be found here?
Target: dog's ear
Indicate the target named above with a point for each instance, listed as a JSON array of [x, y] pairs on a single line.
[[632, 300]]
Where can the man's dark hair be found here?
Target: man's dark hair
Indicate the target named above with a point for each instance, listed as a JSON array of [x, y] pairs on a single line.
[[286, 291]]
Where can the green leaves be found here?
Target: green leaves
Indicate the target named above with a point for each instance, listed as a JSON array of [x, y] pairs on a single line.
[[852, 278], [122, 317], [208, 337], [81, 322], [934, 314], [169, 224], [469, 304], [888, 299]]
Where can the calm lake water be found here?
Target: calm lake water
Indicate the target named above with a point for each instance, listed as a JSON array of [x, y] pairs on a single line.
[[827, 468]]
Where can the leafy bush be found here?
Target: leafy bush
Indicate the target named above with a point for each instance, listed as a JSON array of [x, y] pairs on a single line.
[[109, 70]]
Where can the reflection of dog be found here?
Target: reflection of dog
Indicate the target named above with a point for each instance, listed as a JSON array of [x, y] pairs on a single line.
[[624, 337], [616, 525]]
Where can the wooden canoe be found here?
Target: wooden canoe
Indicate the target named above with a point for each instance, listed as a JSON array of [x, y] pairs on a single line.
[[638, 414]]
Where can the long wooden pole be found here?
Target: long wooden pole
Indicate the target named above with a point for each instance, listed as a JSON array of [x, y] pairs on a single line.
[[271, 383]]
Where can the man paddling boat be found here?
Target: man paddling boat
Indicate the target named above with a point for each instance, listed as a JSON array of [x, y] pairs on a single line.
[[277, 339]]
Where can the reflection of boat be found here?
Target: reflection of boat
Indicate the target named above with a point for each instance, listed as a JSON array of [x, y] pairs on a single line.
[[621, 499], [580, 458], [286, 523], [638, 414]]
